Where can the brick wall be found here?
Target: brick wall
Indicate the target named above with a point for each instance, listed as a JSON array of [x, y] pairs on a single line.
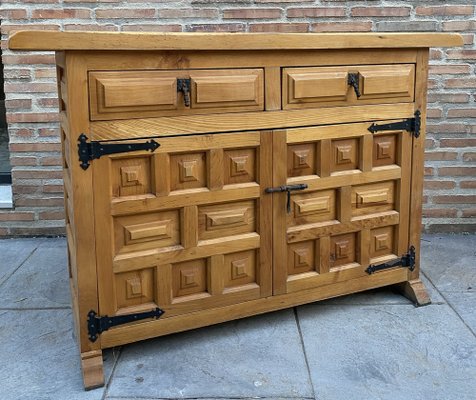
[[450, 197]]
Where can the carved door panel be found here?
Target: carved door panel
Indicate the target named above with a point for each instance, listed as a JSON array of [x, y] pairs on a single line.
[[186, 227], [355, 210]]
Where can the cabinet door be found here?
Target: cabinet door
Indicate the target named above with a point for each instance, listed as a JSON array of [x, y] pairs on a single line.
[[354, 212], [184, 228]]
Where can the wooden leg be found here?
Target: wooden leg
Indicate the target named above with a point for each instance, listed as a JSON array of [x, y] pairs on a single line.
[[415, 291], [91, 365]]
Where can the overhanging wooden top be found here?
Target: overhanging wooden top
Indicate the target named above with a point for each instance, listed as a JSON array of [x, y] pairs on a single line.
[[53, 40]]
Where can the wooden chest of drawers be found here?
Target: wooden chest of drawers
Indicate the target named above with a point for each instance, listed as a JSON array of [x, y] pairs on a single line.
[[210, 177]]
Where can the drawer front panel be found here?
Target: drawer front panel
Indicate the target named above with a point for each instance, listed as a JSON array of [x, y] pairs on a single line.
[[139, 94], [185, 228], [354, 211], [329, 86]]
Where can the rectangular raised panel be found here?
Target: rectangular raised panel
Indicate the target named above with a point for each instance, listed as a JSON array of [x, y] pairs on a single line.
[[328, 86], [372, 197], [221, 218], [313, 206], [378, 197], [157, 230], [142, 94]]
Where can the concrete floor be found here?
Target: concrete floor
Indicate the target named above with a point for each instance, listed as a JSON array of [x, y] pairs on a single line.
[[374, 345]]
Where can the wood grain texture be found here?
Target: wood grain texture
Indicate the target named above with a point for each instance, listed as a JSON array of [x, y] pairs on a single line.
[[50, 40]]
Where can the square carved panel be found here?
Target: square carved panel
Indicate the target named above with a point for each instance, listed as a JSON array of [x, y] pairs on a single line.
[[189, 278], [343, 249], [301, 257], [302, 159], [382, 241], [344, 155], [135, 288], [240, 268], [131, 176], [240, 166], [384, 150], [188, 171]]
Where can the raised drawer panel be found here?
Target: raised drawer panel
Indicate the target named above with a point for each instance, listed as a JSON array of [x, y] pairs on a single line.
[[329, 86], [139, 94]]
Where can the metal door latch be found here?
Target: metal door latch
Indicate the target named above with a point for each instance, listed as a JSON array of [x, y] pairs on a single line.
[[287, 189], [97, 325], [412, 125], [407, 260], [89, 151], [353, 80], [183, 85]]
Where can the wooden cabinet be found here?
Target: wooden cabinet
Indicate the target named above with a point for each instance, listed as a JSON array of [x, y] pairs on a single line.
[[218, 176]]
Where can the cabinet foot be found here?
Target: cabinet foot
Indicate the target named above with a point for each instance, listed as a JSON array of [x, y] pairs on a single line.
[[91, 365], [415, 291]]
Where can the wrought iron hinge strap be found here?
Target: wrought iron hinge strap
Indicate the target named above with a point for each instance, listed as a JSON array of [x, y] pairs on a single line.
[[89, 151], [407, 260], [412, 125], [97, 325]]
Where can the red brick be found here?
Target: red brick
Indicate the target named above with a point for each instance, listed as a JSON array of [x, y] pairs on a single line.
[[51, 161], [457, 171], [37, 231], [49, 215], [462, 113], [39, 202], [8, 28], [189, 13], [440, 213], [434, 113], [26, 189], [280, 27], [429, 143], [17, 74], [23, 161], [23, 132], [60, 13], [111, 13], [428, 171], [48, 102], [33, 117], [252, 13], [90, 27], [458, 142], [380, 11], [29, 87], [448, 97], [460, 83], [48, 132], [17, 103], [96, 1], [436, 54], [341, 27], [468, 38], [445, 10], [37, 174], [316, 12], [470, 157], [41, 73], [53, 188], [459, 25], [461, 54], [17, 216], [467, 184], [440, 156], [454, 199], [32, 147], [452, 69], [469, 213], [284, 1], [447, 128], [29, 59], [12, 14], [439, 185], [216, 28], [151, 28]]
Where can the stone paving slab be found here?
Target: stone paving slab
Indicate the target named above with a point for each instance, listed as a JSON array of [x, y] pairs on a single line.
[[465, 305], [13, 252], [393, 352], [41, 282], [252, 357], [449, 261], [40, 360]]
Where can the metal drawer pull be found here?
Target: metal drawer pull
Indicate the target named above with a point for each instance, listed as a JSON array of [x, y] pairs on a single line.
[[287, 189], [353, 80], [183, 85]]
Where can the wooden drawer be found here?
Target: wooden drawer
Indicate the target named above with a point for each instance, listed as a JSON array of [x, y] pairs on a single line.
[[330, 86], [140, 94]]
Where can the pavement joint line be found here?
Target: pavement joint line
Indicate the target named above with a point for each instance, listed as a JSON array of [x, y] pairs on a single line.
[[109, 381], [34, 308], [450, 305], [298, 324], [209, 397], [17, 268]]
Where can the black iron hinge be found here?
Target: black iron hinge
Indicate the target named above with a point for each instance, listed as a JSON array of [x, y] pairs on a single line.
[[89, 151], [407, 261], [412, 125], [97, 325], [288, 189]]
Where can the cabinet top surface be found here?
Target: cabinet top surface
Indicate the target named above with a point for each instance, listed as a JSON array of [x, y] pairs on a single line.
[[53, 40]]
